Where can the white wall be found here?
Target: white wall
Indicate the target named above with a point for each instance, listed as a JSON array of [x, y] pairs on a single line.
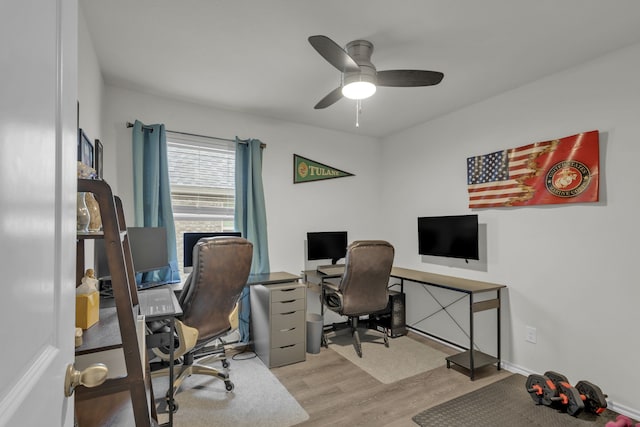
[[570, 269], [292, 209], [90, 96], [90, 83]]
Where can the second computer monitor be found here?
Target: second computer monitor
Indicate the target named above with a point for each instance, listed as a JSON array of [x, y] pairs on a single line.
[[148, 251], [327, 245], [191, 238]]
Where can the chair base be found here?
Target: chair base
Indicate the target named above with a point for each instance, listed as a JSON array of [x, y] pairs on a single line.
[[181, 372], [352, 326]]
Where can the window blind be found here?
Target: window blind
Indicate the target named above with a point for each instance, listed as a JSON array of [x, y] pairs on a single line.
[[202, 177]]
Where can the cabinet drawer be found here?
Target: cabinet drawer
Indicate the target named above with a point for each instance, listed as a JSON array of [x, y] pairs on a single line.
[[286, 355], [287, 306], [284, 321], [296, 291], [292, 335]]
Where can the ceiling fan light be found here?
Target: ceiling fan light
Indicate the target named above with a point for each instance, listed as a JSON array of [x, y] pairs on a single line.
[[358, 90]]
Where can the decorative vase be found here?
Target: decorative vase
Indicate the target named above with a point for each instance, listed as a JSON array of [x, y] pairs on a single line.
[[95, 220], [83, 216]]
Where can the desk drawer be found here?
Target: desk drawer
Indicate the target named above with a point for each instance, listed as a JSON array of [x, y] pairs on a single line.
[[291, 335], [286, 355], [284, 321], [287, 306], [296, 291]]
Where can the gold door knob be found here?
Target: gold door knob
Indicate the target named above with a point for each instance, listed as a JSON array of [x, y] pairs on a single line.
[[92, 376]]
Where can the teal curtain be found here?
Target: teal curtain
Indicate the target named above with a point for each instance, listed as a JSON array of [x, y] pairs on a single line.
[[250, 217], [152, 193]]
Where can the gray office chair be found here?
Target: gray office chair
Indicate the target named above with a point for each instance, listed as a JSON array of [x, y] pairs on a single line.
[[209, 302], [363, 287]]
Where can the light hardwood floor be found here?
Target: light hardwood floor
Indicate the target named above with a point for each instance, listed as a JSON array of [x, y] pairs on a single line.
[[335, 392]]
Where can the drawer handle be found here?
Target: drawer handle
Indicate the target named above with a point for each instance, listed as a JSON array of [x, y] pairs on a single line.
[[288, 290], [290, 312], [290, 345], [289, 301], [287, 330]]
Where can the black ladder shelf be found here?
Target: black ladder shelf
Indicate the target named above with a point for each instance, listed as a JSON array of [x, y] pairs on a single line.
[[127, 399]]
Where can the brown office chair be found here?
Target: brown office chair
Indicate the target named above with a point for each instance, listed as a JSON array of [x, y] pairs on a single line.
[[363, 287], [209, 303]]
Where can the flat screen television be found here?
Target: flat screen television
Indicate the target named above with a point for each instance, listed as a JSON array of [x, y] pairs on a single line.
[[189, 240], [327, 245], [148, 251], [454, 236]]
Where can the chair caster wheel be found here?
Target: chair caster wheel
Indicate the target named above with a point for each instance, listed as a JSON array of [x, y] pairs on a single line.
[[173, 406], [229, 385], [225, 364]]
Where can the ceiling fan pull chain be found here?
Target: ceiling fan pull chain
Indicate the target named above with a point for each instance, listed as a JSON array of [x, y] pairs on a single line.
[[358, 111]]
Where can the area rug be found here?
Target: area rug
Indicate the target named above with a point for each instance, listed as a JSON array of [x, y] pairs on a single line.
[[381, 362], [258, 399], [504, 403]]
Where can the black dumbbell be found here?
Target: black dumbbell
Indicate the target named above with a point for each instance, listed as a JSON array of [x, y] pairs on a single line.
[[541, 389], [569, 397], [595, 400]]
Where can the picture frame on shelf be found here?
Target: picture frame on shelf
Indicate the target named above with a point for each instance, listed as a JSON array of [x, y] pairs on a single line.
[[97, 161], [85, 149]]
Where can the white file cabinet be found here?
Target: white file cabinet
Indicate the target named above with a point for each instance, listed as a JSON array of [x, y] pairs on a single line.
[[278, 322]]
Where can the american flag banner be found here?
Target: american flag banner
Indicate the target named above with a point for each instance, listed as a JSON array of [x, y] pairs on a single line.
[[563, 170]]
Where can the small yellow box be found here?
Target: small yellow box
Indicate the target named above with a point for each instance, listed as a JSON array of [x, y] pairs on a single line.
[[87, 309]]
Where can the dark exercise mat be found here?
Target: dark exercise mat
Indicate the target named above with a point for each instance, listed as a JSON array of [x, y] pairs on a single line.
[[504, 403]]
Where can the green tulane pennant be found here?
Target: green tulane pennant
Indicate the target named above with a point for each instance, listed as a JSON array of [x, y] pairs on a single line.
[[305, 170]]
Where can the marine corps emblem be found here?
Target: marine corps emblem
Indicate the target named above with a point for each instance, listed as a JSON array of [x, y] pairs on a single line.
[[568, 178]]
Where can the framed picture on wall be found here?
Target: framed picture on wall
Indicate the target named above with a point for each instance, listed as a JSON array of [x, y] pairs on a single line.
[[97, 161], [85, 149]]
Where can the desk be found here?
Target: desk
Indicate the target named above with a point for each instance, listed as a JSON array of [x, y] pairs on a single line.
[[155, 304], [271, 278], [161, 304], [469, 359]]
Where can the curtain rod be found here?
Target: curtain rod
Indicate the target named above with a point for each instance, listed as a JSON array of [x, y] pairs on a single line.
[[262, 145]]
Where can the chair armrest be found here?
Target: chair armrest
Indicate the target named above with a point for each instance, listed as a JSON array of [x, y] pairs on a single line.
[[233, 318], [331, 297], [187, 338]]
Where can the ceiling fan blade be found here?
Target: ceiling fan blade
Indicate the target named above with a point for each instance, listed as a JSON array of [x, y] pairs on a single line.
[[333, 97], [409, 78], [334, 54]]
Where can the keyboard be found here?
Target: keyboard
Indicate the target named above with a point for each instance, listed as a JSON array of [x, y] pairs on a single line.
[[157, 302], [331, 270], [150, 285]]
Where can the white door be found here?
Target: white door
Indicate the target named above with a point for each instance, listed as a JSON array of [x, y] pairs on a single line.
[[38, 99]]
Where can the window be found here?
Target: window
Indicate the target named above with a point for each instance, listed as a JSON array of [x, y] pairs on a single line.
[[202, 178]]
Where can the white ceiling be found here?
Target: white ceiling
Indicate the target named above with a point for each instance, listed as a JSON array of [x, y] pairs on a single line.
[[253, 56]]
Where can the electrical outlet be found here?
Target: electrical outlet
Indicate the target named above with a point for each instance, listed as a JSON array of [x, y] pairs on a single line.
[[531, 335]]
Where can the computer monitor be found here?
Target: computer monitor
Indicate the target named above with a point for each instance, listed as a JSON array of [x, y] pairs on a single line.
[[327, 245], [148, 251], [190, 239]]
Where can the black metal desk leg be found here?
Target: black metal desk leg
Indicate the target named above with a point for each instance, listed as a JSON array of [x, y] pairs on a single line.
[[172, 328], [498, 309], [471, 366]]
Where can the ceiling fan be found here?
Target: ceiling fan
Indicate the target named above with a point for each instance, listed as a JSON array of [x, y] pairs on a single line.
[[359, 76]]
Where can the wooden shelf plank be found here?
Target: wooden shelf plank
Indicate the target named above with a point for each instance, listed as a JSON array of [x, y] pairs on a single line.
[[104, 335]]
